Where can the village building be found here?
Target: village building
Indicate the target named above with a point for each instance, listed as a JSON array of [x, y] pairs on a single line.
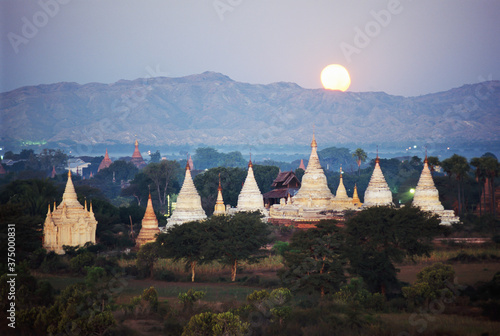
[[69, 223], [285, 185]]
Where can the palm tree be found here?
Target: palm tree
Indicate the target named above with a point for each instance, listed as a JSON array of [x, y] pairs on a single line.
[[457, 165], [487, 168], [360, 156]]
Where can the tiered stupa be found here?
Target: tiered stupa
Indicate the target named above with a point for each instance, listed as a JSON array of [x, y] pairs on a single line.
[[220, 208], [106, 162], [188, 207], [378, 192], [314, 191], [137, 159], [341, 200], [427, 197], [69, 223], [149, 228], [250, 197], [355, 198]]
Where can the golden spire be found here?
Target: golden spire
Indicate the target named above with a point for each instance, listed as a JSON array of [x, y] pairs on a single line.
[[355, 197], [313, 142], [220, 187], [136, 143]]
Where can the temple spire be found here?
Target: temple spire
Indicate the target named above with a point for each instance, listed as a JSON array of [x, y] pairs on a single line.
[[188, 207], [149, 227], [250, 197], [378, 193], [220, 208]]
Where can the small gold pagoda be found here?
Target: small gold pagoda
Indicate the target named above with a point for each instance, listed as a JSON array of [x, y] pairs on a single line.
[[149, 228], [105, 163], [220, 208]]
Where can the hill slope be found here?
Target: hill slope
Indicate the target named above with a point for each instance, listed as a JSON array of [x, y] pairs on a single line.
[[211, 108]]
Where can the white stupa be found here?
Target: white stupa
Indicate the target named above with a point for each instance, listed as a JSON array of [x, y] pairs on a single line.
[[427, 197], [188, 207], [377, 193]]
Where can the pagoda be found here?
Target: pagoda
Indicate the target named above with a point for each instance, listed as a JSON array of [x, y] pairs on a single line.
[[106, 162], [69, 223], [341, 200], [427, 197], [250, 197], [220, 208], [377, 193], [188, 207], [355, 198], [137, 159], [301, 166], [149, 228], [314, 191]]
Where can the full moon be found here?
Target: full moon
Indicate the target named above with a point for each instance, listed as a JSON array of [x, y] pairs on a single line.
[[335, 77]]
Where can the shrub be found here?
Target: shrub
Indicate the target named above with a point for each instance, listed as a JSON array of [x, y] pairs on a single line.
[[165, 275], [77, 264]]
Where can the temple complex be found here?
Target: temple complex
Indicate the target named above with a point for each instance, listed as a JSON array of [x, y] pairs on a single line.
[[377, 193], [188, 207], [250, 197], [314, 201], [149, 228], [220, 208], [106, 162], [69, 223], [137, 159], [314, 191], [427, 197]]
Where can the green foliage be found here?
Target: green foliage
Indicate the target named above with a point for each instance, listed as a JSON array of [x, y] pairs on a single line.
[[151, 295], [187, 241], [212, 324], [370, 247], [280, 247], [237, 238], [146, 258], [355, 293], [189, 298], [432, 283], [78, 263], [206, 158], [314, 263]]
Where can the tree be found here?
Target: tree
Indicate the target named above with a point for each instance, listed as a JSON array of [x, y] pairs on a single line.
[[147, 257], [212, 324], [187, 241], [360, 156], [457, 165], [315, 260], [161, 174], [237, 238], [487, 169], [155, 157], [334, 157], [432, 282], [432, 162], [378, 237]]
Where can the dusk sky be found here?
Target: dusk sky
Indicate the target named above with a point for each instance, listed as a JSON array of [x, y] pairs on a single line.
[[403, 48]]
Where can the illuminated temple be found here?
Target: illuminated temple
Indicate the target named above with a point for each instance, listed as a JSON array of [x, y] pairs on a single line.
[[314, 201], [427, 197], [70, 223]]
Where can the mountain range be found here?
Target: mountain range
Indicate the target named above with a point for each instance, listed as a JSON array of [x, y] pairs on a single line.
[[210, 108]]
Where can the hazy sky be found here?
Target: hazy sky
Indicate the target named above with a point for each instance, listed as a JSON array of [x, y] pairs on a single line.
[[405, 48]]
